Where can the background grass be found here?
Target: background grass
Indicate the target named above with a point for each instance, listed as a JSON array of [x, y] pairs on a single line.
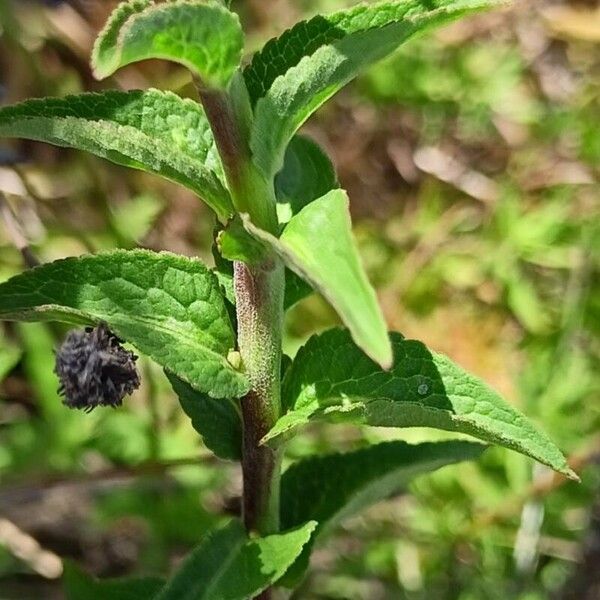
[[472, 162]]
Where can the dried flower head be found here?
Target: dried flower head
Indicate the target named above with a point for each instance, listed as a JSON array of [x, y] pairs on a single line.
[[94, 369]]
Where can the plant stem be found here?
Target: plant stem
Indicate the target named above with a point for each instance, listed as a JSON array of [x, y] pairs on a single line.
[[251, 193], [259, 290], [259, 306]]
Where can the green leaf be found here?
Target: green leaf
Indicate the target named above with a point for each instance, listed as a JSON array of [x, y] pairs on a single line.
[[80, 586], [216, 420], [169, 307], [203, 36], [296, 73], [154, 131], [332, 379], [333, 487], [235, 243], [307, 174], [318, 245], [229, 566], [103, 52], [296, 289]]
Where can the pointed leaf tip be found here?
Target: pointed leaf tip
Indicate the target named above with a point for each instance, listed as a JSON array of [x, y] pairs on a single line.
[[318, 245], [331, 378], [229, 565], [570, 474]]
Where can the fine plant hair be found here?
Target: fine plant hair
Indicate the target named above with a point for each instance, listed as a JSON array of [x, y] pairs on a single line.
[[283, 231]]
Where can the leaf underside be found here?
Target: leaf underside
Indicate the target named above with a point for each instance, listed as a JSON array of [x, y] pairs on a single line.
[[203, 36], [333, 487], [334, 380], [229, 566], [217, 420], [153, 131], [169, 307], [104, 50], [296, 73]]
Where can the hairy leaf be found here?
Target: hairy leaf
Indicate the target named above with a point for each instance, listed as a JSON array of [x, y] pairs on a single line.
[[307, 174], [333, 379], [296, 73], [169, 307], [80, 586], [154, 131], [103, 52], [229, 566], [217, 420], [333, 487], [203, 36], [318, 245]]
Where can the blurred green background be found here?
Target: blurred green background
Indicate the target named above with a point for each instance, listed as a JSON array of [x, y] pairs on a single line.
[[472, 159]]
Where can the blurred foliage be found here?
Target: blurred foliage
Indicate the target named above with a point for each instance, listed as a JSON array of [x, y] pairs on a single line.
[[472, 160]]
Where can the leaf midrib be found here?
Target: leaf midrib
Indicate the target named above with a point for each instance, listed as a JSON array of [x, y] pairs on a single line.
[[149, 322], [118, 128], [233, 555]]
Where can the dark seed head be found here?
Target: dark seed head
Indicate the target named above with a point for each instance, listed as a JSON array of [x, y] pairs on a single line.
[[94, 369]]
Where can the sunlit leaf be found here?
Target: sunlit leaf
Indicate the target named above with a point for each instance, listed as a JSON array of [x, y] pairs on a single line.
[[205, 37], [169, 307], [332, 379], [296, 73], [317, 244], [154, 131]]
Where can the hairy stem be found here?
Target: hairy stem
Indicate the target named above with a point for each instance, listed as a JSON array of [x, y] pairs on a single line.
[[259, 305], [251, 193], [259, 290]]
